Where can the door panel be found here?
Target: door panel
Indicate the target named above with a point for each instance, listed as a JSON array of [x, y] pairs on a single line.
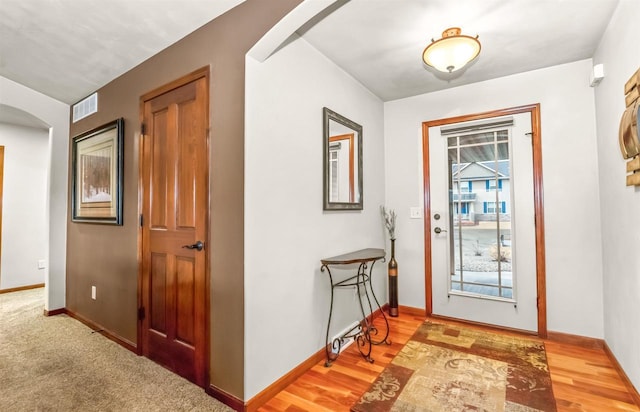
[[511, 203], [185, 300], [158, 171], [187, 164], [175, 204], [157, 298]]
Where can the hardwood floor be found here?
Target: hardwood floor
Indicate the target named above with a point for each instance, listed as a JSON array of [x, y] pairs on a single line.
[[583, 379]]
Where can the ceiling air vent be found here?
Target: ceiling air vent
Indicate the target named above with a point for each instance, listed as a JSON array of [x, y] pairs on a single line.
[[85, 107]]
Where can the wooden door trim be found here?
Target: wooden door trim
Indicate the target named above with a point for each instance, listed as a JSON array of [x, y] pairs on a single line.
[[186, 79], [538, 199], [202, 73]]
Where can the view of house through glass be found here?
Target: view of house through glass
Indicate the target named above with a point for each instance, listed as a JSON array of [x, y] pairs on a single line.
[[480, 214]]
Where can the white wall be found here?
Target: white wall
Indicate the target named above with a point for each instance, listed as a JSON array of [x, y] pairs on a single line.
[[620, 205], [286, 230], [570, 174], [56, 115], [24, 212]]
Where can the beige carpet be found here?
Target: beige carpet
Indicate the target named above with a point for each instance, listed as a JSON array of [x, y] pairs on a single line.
[[57, 364]]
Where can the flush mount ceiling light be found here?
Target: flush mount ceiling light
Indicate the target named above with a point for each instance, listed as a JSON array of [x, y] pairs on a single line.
[[452, 52]]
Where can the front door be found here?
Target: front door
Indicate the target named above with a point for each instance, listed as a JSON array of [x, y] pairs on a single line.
[[482, 221], [174, 166]]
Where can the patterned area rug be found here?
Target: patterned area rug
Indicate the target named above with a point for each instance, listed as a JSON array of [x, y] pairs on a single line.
[[453, 368]]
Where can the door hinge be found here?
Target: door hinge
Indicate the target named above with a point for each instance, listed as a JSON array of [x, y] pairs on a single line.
[[141, 220], [142, 129], [141, 313]]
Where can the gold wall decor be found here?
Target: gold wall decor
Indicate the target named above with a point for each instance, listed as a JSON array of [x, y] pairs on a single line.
[[630, 129]]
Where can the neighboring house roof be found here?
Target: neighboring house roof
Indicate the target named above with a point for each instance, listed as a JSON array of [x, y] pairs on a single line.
[[481, 170]]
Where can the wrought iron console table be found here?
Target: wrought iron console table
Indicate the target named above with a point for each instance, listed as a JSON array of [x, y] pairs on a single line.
[[363, 331]]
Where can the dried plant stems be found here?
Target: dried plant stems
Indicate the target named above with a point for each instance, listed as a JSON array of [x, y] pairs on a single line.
[[389, 216]]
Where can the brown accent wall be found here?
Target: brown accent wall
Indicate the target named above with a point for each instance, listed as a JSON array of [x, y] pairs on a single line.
[[106, 256]]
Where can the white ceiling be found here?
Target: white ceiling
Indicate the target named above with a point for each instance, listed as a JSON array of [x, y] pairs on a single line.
[[67, 49], [380, 42]]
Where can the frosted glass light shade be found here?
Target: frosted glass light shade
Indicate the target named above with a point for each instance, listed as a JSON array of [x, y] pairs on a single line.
[[452, 52]]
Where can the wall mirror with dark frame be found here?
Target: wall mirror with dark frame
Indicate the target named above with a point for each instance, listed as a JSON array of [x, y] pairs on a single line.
[[342, 162]]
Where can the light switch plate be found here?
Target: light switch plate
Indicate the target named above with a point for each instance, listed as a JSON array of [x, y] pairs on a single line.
[[415, 212]]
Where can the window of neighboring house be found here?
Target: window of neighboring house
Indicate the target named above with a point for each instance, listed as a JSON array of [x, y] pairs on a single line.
[[490, 207], [466, 187], [490, 185]]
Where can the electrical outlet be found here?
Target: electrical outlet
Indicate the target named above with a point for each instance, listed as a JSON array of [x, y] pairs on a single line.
[[42, 264], [93, 292]]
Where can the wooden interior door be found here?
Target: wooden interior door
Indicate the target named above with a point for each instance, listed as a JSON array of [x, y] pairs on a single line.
[[173, 316]]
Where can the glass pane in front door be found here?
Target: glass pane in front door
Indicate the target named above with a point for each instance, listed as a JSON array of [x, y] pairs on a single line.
[[480, 215]]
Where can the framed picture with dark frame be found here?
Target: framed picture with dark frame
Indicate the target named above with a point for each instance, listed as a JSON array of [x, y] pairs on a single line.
[[97, 177]]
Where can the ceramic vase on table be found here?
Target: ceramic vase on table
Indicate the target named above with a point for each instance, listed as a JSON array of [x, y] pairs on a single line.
[[393, 281]]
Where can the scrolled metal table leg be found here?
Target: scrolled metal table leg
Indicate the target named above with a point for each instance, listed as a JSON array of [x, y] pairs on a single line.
[[386, 321], [364, 338], [331, 356]]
